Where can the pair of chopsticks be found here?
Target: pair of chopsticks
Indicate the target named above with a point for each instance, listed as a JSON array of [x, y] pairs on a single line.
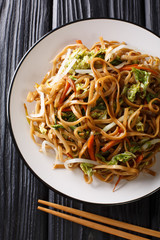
[[100, 219]]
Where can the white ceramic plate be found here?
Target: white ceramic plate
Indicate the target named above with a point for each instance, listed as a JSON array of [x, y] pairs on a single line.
[[32, 69]]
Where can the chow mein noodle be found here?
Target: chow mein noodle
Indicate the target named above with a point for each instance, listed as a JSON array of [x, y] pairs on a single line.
[[99, 110]]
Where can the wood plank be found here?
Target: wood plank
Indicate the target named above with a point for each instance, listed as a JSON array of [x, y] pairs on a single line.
[[22, 23], [152, 10]]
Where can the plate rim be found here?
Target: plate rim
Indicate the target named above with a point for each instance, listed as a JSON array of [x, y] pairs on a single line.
[[8, 115]]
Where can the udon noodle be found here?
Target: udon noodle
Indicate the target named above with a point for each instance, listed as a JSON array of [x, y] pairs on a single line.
[[99, 109]]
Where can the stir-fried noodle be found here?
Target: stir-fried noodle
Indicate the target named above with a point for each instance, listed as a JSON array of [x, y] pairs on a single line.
[[99, 109]]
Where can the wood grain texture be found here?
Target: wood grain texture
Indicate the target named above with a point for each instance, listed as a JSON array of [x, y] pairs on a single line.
[[22, 23], [152, 15]]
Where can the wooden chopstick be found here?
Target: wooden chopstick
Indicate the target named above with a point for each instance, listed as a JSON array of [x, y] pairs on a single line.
[[93, 225], [98, 218]]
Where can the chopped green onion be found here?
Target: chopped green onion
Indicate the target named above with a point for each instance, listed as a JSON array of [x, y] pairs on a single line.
[[57, 126]]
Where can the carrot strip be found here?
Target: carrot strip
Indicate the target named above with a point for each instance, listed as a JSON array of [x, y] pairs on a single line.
[[69, 155], [139, 159], [91, 147], [78, 41], [97, 48], [67, 86], [108, 145], [84, 107], [129, 67], [119, 178], [73, 86], [120, 130], [66, 110]]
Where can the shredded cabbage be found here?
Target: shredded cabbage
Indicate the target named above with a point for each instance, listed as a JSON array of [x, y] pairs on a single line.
[[150, 143], [111, 125], [110, 51], [87, 168], [44, 143], [122, 157], [79, 160]]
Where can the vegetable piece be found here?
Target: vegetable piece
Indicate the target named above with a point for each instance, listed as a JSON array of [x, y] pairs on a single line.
[[140, 75], [135, 148], [69, 67], [66, 66], [110, 51], [72, 127], [129, 67], [116, 61], [148, 144], [87, 168], [100, 55], [84, 134], [84, 107], [84, 71], [44, 143], [144, 78], [144, 140], [62, 68], [97, 48], [69, 116], [140, 127], [150, 96], [78, 160], [111, 125], [63, 96], [98, 155], [66, 110], [79, 41], [122, 157], [132, 91], [91, 147], [57, 126], [69, 155], [82, 59], [79, 86], [109, 145], [124, 90], [98, 115], [119, 178], [120, 65], [139, 159], [99, 105], [142, 145], [73, 77], [73, 86], [42, 128]]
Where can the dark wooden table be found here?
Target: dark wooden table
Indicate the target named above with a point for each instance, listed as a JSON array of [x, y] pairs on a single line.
[[22, 23]]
